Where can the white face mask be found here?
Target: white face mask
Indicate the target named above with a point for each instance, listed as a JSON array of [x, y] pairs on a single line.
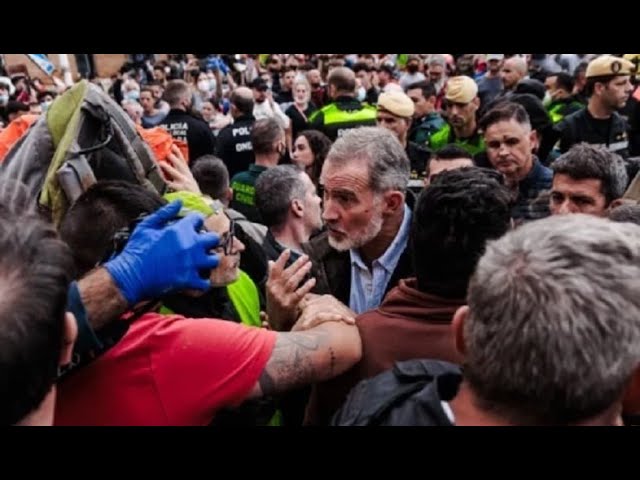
[[203, 85], [547, 99], [133, 95], [362, 94], [4, 99]]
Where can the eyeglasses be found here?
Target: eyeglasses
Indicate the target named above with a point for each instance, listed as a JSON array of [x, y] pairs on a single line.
[[227, 239]]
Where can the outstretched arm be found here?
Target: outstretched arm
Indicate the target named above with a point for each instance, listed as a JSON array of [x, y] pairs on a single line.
[[315, 355]]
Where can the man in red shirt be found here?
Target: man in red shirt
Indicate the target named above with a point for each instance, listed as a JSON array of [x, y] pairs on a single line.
[[170, 370]]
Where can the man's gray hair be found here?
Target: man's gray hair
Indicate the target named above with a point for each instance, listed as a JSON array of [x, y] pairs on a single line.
[[387, 161], [276, 188], [553, 333], [584, 161]]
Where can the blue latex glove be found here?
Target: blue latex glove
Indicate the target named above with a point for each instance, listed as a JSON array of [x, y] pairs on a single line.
[[159, 258]]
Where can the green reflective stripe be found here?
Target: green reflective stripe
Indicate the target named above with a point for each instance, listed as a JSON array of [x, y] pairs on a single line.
[[441, 139], [555, 114], [244, 296], [333, 115]]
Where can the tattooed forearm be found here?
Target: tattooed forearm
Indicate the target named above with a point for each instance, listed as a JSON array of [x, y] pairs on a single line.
[[296, 360]]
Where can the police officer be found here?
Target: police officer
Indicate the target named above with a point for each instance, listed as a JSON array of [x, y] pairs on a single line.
[[462, 103], [395, 110], [184, 127], [608, 88], [345, 111], [234, 141]]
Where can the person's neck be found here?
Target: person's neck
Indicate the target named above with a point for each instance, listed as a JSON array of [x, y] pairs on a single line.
[[513, 180], [376, 247], [491, 74], [151, 112], [290, 235], [302, 105], [43, 415], [267, 160], [468, 411], [598, 110], [466, 131]]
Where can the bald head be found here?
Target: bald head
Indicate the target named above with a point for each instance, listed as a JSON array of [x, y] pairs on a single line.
[[241, 102], [513, 70]]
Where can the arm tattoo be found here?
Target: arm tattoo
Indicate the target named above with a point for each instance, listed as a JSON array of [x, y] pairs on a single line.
[[292, 361]]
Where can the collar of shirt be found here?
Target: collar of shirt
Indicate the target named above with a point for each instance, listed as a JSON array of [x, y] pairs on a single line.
[[390, 257]]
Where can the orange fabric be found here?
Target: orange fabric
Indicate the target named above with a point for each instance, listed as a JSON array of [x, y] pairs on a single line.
[[14, 131], [160, 142]]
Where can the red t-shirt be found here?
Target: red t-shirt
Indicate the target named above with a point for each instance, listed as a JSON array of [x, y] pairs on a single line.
[[167, 370]]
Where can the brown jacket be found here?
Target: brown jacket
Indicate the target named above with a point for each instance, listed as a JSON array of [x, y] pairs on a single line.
[[408, 325]]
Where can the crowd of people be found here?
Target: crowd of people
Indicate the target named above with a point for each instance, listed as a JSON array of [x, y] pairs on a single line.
[[344, 240]]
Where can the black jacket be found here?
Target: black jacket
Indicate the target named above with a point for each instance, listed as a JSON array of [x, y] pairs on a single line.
[[581, 126], [234, 145], [410, 394], [194, 131]]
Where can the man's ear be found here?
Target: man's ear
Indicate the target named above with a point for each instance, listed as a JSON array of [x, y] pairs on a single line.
[[457, 326], [229, 195], [393, 200], [535, 140], [297, 208], [69, 334], [618, 202]]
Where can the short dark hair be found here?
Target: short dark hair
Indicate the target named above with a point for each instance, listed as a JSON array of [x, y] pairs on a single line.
[[343, 79], [90, 223], [590, 83], [320, 145], [276, 188], [176, 90], [564, 81], [212, 176], [503, 112], [626, 213], [428, 89], [35, 270], [243, 104], [448, 152], [264, 134], [451, 152], [584, 161], [454, 218], [359, 66]]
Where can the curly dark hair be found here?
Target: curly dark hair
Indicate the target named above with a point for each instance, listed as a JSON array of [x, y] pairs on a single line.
[[453, 219], [319, 144]]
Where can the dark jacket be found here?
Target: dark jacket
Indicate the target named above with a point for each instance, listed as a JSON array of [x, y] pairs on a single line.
[[410, 394], [332, 269], [581, 126], [194, 131], [234, 145]]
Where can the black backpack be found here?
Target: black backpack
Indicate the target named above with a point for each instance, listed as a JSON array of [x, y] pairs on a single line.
[[407, 395]]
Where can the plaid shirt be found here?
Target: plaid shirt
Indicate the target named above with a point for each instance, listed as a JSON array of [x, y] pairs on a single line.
[[538, 180]]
